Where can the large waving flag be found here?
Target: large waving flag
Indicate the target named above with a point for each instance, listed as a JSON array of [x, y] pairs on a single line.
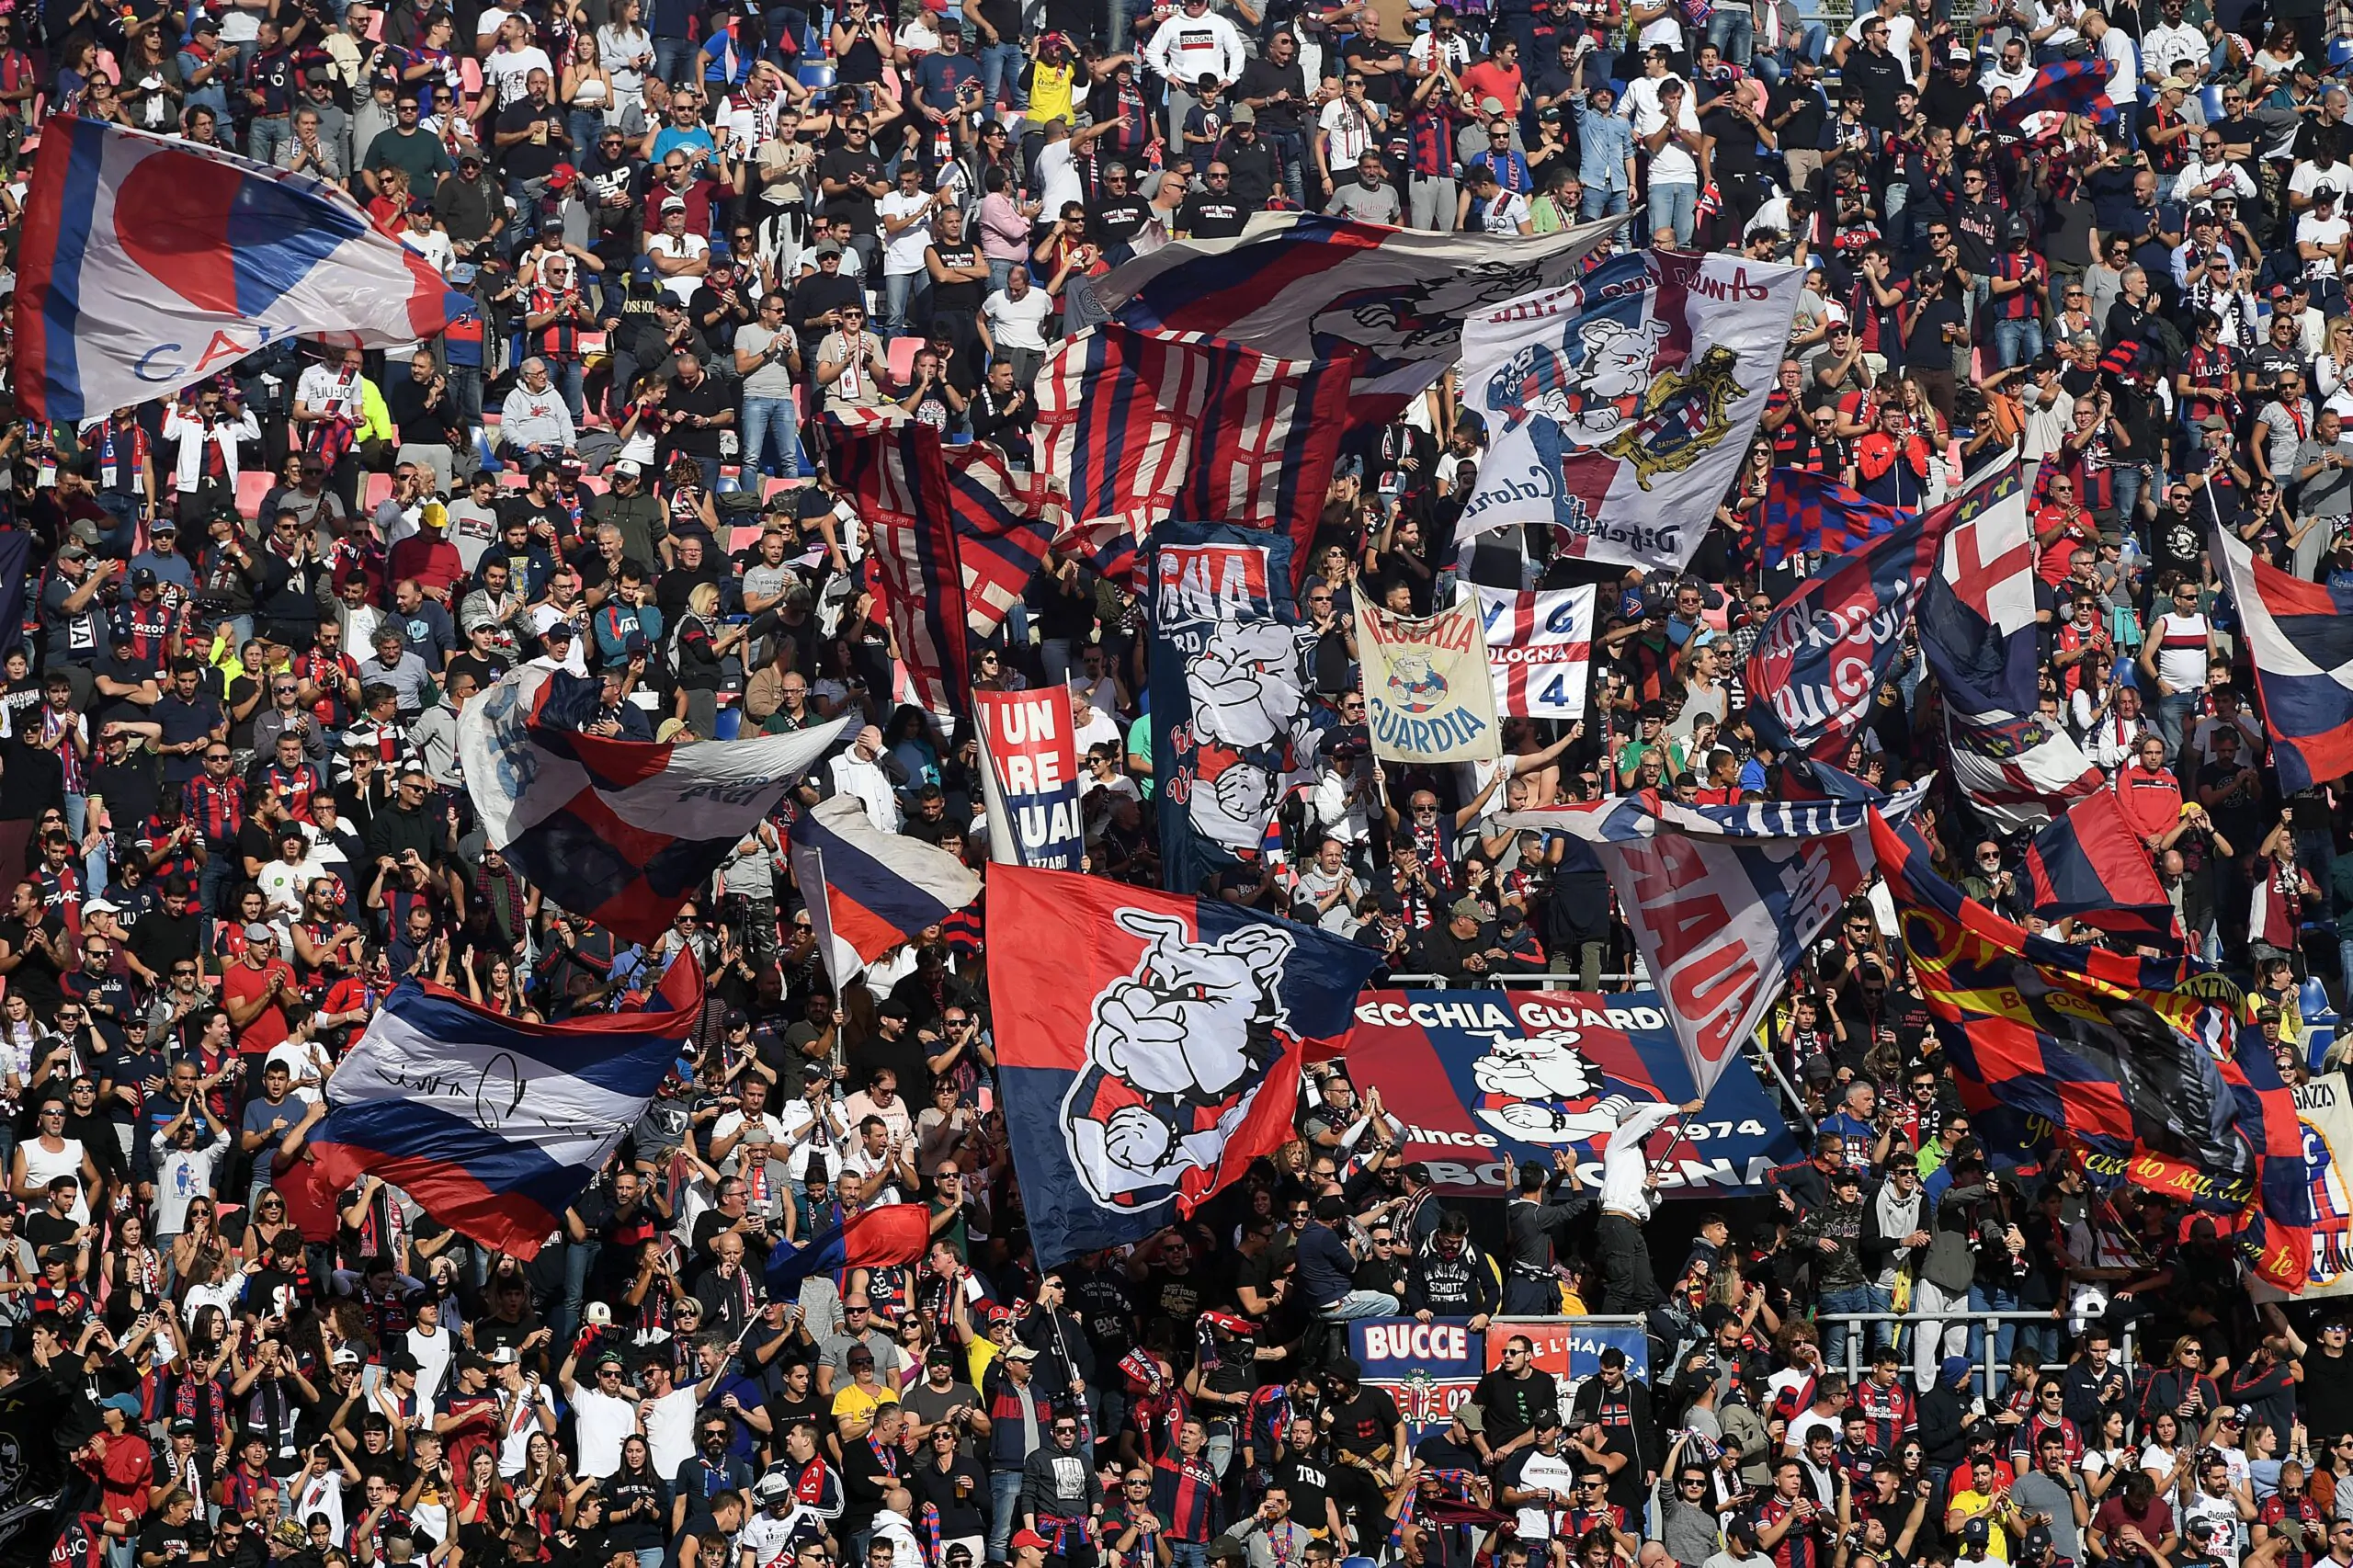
[[880, 1237], [1619, 403], [2151, 1066], [1135, 427], [1818, 663], [1806, 513], [957, 535], [1722, 899], [2088, 865], [2062, 88], [148, 262], [1302, 285], [2300, 640], [1149, 1046], [621, 832], [1977, 628], [868, 891], [491, 1124]]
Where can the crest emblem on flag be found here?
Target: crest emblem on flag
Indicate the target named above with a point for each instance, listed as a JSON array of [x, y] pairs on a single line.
[[1628, 392], [1177, 1050]]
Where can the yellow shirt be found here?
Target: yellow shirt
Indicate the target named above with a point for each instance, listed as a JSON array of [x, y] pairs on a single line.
[[850, 1400], [1051, 91], [1973, 1505]]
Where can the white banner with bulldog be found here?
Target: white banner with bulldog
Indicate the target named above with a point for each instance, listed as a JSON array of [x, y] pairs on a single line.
[[1619, 405], [1428, 693]]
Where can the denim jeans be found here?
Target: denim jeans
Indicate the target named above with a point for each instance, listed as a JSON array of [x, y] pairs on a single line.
[[569, 376], [675, 58], [1005, 1495], [268, 133], [579, 1262], [1290, 161], [1187, 1554], [1001, 68], [1675, 208], [2133, 482], [1848, 1299], [1992, 1299], [1883, 1333], [2172, 715], [898, 288], [1734, 33], [771, 417], [94, 863], [1360, 1304], [2016, 342], [1000, 269]]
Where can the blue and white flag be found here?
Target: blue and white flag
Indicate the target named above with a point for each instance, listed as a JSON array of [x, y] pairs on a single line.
[[1722, 899], [622, 832], [2300, 637], [491, 1124], [868, 891]]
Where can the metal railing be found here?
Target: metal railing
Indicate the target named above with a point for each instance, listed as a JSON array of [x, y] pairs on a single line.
[[1635, 981], [1857, 1338]]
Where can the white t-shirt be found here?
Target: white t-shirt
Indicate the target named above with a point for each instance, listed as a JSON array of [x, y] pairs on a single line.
[[1058, 182], [604, 1421], [1018, 323], [682, 247], [507, 70], [902, 251], [432, 1352], [2321, 232], [1350, 129], [670, 1428]]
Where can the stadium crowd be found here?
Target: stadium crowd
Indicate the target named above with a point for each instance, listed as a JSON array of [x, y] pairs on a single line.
[[230, 815]]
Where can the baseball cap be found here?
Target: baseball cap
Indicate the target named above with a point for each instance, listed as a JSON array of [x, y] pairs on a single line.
[[1244, 114], [1020, 1353], [631, 467], [559, 631], [1032, 1539], [674, 204]]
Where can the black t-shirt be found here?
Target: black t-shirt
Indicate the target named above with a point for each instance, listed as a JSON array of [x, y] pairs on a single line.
[[1380, 86], [1512, 1404], [958, 1493], [531, 159], [1118, 219], [706, 398], [1263, 79], [625, 1489], [855, 203], [2238, 817], [1306, 1480], [35, 978], [1206, 216], [1365, 1425], [172, 1543]]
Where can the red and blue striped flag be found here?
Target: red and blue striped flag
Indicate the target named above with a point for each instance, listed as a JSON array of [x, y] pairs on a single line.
[[1140, 426], [882, 1236], [2300, 640], [957, 535], [2088, 865], [868, 891]]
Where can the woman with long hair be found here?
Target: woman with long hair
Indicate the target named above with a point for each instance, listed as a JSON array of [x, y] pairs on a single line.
[[500, 989], [587, 91]]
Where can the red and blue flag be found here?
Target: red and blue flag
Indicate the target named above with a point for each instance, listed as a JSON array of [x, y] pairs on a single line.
[[2061, 88], [1149, 1046], [881, 1237], [2088, 865], [1136, 426], [1816, 670], [957, 535], [622, 832], [149, 263], [2300, 640], [2151, 1067], [1807, 514]]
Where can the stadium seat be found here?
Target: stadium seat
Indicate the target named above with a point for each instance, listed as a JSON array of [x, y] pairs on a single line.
[[2340, 50], [2210, 99], [378, 490], [252, 486], [901, 359]]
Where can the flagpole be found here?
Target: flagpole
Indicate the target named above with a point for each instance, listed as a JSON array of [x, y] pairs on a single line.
[[1690, 1109]]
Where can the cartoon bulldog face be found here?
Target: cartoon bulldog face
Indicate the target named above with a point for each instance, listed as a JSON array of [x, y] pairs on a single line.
[[1550, 1088]]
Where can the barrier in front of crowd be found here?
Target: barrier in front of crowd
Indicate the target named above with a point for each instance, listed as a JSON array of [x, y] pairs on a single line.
[[1990, 1366]]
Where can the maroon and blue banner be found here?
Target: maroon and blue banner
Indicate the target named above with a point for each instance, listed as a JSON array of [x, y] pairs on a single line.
[[1029, 778], [887, 1235], [1808, 514], [2089, 866], [1487, 1079], [1427, 1368], [868, 891], [1824, 652], [1149, 1046], [1228, 694]]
